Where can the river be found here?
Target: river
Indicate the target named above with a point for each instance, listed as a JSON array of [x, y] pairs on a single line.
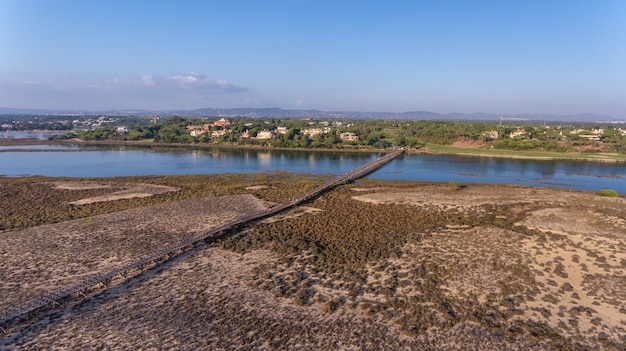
[[113, 161]]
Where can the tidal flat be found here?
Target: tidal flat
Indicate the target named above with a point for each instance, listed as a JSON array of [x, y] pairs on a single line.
[[368, 265]]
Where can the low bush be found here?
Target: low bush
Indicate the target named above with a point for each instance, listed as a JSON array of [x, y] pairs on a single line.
[[608, 192]]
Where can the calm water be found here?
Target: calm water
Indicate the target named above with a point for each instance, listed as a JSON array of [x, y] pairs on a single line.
[[26, 134], [107, 161]]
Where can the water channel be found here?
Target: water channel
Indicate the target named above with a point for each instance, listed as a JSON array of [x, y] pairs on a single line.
[[112, 161]]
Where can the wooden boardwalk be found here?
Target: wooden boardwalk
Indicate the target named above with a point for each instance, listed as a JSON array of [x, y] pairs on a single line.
[[176, 249]]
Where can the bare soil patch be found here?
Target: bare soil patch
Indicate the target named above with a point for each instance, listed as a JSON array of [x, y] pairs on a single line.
[[128, 191], [257, 187], [468, 143]]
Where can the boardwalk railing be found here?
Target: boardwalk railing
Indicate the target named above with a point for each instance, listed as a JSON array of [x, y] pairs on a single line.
[[89, 281]]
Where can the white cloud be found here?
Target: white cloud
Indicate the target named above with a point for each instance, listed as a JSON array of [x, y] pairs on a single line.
[[170, 83], [201, 82], [148, 80], [31, 82], [191, 78], [145, 91]]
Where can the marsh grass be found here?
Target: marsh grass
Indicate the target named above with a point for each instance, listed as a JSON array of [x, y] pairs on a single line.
[[446, 149], [466, 269]]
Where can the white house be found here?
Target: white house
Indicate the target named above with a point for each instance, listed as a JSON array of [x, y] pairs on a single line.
[[517, 133], [492, 134], [314, 131], [264, 134], [348, 136]]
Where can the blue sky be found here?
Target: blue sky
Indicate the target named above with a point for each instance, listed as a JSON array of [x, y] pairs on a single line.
[[508, 57]]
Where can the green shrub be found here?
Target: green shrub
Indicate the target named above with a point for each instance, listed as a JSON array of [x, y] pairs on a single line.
[[608, 192]]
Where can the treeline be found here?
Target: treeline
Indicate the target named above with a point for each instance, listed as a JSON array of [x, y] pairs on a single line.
[[245, 131], [376, 134]]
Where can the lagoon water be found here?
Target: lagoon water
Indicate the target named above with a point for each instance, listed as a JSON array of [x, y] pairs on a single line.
[[27, 134], [112, 161]]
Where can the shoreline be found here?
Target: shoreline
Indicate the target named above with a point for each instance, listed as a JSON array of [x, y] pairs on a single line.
[[478, 152], [427, 150]]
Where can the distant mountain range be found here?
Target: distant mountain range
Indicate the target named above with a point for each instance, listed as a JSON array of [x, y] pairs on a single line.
[[282, 113]]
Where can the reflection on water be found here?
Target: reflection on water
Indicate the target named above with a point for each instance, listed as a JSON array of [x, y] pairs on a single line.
[[28, 135], [115, 160], [264, 158], [39, 147], [558, 173]]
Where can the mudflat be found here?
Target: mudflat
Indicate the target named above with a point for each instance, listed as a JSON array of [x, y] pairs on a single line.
[[371, 265]]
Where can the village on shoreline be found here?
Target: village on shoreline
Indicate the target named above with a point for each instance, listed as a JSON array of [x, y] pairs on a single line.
[[593, 142]]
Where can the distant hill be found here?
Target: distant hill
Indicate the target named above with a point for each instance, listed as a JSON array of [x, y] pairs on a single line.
[[282, 113]]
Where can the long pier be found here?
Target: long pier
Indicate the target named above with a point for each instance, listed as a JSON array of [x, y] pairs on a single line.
[[177, 248]]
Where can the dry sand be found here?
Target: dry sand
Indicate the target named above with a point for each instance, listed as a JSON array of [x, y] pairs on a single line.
[[129, 191]]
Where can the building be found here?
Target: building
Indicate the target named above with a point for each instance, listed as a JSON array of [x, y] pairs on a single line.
[[348, 136], [589, 136], [311, 132], [492, 134], [217, 133], [264, 134], [517, 133], [222, 123], [195, 131]]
